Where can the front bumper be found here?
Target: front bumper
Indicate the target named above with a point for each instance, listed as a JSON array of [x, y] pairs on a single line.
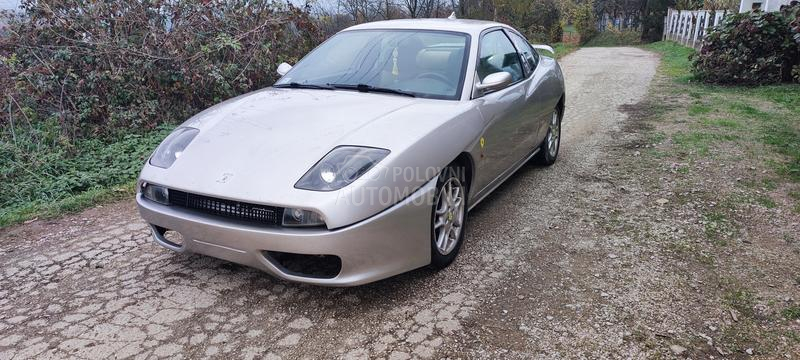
[[391, 242]]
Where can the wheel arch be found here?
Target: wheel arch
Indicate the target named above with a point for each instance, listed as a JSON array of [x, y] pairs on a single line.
[[464, 159]]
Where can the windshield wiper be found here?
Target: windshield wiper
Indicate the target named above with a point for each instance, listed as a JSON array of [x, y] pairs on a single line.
[[296, 85], [370, 88]]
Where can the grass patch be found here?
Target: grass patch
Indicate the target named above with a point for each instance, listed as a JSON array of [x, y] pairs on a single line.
[[698, 109], [674, 60], [783, 135], [699, 141], [722, 123], [46, 180], [68, 204], [742, 300], [765, 119], [656, 137], [792, 312], [718, 227], [766, 201], [563, 49], [614, 37]]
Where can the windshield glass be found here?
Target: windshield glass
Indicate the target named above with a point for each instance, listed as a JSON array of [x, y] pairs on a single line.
[[423, 63]]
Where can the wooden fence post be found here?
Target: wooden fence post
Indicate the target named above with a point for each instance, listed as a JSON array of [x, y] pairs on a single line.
[[696, 29], [687, 23], [685, 27]]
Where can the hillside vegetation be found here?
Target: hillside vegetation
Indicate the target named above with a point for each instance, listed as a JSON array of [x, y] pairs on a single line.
[[90, 88]]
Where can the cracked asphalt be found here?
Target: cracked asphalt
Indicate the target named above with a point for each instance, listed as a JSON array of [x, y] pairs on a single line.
[[94, 285]]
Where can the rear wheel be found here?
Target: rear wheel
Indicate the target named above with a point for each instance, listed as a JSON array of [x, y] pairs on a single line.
[[449, 215], [548, 150]]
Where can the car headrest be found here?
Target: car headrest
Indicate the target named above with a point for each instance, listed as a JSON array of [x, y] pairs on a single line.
[[433, 59]]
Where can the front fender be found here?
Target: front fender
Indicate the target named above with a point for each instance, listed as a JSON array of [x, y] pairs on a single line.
[[415, 159]]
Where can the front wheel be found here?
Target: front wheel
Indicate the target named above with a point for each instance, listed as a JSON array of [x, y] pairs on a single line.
[[548, 150], [449, 215]]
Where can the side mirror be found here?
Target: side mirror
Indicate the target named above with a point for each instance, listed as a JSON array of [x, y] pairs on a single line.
[[544, 47], [494, 81], [283, 68]]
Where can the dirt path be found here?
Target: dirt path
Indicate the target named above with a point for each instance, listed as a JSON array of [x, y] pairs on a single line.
[[543, 272]]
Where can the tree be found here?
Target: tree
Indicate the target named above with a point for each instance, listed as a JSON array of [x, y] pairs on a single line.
[[653, 19], [539, 20], [584, 21]]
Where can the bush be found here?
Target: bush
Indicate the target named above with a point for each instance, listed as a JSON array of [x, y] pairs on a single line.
[[89, 88], [792, 14], [538, 20], [585, 22], [749, 48], [653, 19], [92, 67]]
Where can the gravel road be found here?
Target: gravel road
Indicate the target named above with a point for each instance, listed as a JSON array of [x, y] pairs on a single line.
[[531, 280]]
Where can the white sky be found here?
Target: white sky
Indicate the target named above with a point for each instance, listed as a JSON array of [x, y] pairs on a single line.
[[8, 4]]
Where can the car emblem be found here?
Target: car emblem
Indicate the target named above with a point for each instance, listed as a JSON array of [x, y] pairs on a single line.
[[225, 177]]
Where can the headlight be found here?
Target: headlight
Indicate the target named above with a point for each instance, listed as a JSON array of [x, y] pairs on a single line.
[[300, 217], [172, 147], [340, 167], [155, 193]]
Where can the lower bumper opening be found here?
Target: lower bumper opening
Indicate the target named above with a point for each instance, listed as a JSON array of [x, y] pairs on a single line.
[[311, 266], [170, 237]]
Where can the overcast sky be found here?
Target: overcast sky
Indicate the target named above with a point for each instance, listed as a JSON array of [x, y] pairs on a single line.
[[8, 4]]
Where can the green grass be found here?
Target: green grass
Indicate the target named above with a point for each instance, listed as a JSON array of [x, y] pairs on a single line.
[[563, 49], [741, 299], [792, 312], [613, 37], [766, 118], [766, 201], [699, 141], [717, 227], [674, 60], [699, 109], [42, 180], [722, 123], [67, 204], [784, 136]]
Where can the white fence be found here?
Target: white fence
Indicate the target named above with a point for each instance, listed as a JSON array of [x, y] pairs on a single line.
[[690, 27]]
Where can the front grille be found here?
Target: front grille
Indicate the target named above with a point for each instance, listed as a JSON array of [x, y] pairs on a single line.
[[253, 213]]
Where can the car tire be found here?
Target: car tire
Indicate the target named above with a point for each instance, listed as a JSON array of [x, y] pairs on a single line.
[[548, 149], [448, 217]]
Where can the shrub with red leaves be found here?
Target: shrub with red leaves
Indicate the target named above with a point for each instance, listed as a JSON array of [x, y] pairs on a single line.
[[751, 48], [95, 68]]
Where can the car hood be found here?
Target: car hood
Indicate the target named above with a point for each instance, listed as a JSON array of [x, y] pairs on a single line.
[[256, 146]]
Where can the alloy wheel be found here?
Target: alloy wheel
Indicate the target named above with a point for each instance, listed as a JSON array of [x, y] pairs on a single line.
[[449, 216], [553, 135]]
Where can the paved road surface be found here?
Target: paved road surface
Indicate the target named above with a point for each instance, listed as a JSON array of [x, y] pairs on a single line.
[[93, 285]]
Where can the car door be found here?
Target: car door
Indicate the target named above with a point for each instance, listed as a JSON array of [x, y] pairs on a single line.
[[505, 139], [538, 108]]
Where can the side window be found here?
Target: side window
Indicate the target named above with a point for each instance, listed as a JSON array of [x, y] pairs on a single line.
[[498, 54], [529, 56]]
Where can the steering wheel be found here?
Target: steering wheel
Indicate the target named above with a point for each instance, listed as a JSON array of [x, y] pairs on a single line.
[[434, 76]]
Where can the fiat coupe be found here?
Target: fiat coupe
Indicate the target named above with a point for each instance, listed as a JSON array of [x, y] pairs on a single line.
[[362, 161]]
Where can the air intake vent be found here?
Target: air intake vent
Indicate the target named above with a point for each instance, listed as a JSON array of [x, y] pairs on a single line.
[[254, 213]]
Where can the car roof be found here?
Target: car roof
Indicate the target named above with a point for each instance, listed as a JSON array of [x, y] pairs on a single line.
[[460, 25]]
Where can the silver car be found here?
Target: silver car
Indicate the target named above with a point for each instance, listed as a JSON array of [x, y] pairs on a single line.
[[362, 161]]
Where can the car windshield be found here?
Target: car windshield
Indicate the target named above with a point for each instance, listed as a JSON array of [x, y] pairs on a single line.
[[402, 62]]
